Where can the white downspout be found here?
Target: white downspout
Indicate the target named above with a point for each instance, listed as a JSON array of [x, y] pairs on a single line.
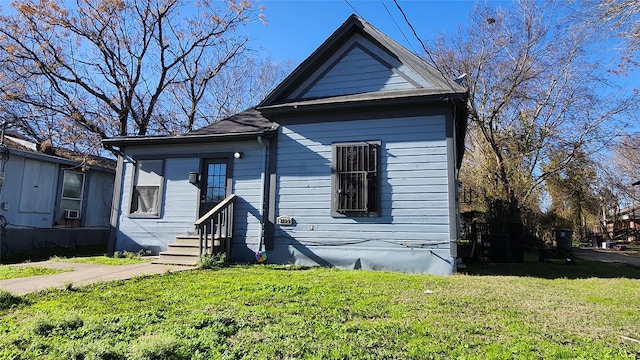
[[263, 176]]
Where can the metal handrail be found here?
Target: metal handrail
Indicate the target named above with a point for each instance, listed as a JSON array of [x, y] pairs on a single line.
[[217, 224]]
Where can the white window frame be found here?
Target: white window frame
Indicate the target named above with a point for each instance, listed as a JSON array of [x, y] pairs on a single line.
[[78, 199], [152, 179]]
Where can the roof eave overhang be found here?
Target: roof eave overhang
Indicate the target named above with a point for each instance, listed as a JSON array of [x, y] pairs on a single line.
[[352, 102], [55, 159], [185, 139]]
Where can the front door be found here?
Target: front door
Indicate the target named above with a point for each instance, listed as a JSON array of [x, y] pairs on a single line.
[[213, 184]]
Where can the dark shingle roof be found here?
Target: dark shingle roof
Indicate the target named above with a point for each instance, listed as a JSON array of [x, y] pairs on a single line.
[[244, 125], [248, 121]]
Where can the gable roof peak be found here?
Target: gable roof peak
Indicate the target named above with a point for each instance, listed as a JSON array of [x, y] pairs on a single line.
[[358, 32]]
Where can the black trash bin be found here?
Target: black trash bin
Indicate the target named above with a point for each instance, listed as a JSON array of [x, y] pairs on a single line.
[[564, 238]]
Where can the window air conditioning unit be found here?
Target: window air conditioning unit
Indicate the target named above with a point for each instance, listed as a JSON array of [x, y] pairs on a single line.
[[71, 214]]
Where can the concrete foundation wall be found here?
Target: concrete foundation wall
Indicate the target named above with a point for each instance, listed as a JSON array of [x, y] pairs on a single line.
[[29, 239]]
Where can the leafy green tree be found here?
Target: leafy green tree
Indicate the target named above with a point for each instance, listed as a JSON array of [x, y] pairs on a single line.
[[573, 193]]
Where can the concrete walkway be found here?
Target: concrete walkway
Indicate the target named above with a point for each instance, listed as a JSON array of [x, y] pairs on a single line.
[[81, 274], [603, 255]]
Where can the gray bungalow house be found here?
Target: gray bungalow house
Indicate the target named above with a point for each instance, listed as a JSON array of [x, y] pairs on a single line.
[[52, 197], [350, 162]]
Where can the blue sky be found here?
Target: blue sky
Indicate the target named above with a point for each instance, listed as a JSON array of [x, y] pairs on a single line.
[[297, 27]]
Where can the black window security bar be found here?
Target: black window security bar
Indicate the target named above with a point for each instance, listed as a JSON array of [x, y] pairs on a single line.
[[356, 167]]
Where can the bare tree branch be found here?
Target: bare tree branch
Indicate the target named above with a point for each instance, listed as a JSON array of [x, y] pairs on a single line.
[[539, 102], [112, 66]]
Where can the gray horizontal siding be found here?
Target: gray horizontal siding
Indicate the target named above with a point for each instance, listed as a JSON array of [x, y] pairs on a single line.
[[399, 193], [177, 211], [319, 202], [414, 183], [323, 235], [436, 224], [246, 184], [98, 199], [352, 58], [431, 127], [357, 72], [32, 191], [369, 257], [181, 199]]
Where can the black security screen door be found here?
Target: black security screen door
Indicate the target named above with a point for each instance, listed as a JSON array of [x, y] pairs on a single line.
[[213, 187]]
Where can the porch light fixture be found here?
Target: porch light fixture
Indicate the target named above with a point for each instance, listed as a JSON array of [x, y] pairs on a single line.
[[238, 155]]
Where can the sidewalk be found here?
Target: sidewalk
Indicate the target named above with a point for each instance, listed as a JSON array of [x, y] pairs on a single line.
[[81, 274], [609, 256]]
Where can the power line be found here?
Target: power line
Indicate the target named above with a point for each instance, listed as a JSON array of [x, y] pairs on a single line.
[[353, 8], [397, 25], [406, 19], [424, 47]]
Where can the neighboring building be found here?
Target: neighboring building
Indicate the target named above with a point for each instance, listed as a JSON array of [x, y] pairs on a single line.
[[52, 197], [351, 161], [622, 224]]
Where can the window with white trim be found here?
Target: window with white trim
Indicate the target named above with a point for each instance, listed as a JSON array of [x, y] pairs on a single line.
[[72, 190], [146, 191], [355, 178]]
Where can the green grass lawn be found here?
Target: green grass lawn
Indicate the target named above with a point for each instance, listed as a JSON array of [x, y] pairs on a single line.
[[34, 255], [103, 260], [263, 312], [13, 272], [633, 249]]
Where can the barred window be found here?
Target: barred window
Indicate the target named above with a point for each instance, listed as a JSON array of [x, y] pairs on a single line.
[[355, 178]]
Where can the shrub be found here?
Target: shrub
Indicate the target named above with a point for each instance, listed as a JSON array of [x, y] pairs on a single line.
[[131, 255], [97, 350], [213, 261]]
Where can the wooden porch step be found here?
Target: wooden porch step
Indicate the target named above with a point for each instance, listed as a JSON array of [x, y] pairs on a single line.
[[190, 240], [187, 239], [177, 259], [185, 251]]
